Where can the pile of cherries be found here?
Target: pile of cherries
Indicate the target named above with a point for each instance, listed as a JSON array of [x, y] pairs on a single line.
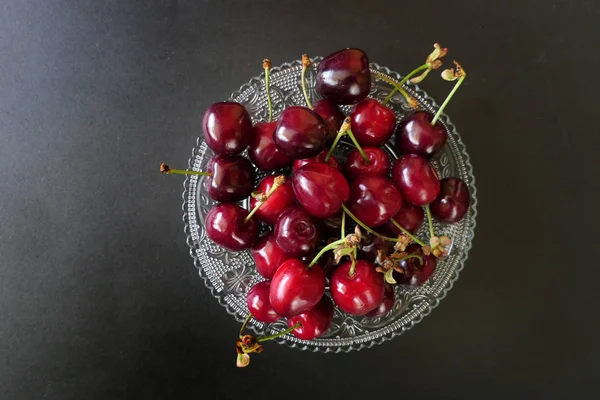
[[312, 199]]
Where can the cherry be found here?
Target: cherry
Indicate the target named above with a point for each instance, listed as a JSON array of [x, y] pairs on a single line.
[[372, 123], [332, 116], [267, 255], [314, 322], [374, 199], [262, 150], [333, 224], [296, 232], [386, 305], [226, 226], [227, 128], [409, 217], [370, 245], [415, 273], [344, 77], [258, 303], [416, 179], [379, 163], [332, 161], [357, 290], [231, 179], [295, 288], [328, 263], [281, 199], [300, 132], [416, 135], [320, 189], [453, 201]]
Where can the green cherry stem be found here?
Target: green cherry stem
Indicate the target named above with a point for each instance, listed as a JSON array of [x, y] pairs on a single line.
[[325, 249], [411, 256], [276, 335], [248, 318], [343, 225], [353, 265], [165, 169], [365, 227], [267, 67], [360, 150], [430, 221], [278, 181], [403, 81], [445, 103], [305, 65], [407, 233]]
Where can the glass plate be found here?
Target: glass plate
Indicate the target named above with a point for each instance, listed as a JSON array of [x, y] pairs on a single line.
[[229, 275]]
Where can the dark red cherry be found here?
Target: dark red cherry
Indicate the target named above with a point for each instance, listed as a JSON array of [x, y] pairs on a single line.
[[452, 203], [416, 179], [409, 217], [262, 150], [295, 288], [320, 189], [379, 163], [227, 128], [372, 123], [332, 162], [232, 178], [332, 225], [259, 304], [296, 232], [226, 227], [314, 322], [360, 293], [327, 260], [415, 273], [373, 199], [344, 77], [267, 255], [300, 132], [332, 116], [386, 305], [370, 245], [415, 135], [280, 200]]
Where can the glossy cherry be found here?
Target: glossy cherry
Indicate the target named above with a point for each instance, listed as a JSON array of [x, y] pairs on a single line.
[[268, 255], [360, 293], [332, 162], [296, 232], [415, 135], [409, 217], [262, 150], [227, 128], [415, 273], [344, 77], [416, 179], [370, 245], [314, 322], [320, 189], [279, 201], [379, 163], [386, 304], [373, 199], [226, 227], [232, 178], [295, 288], [300, 132], [332, 116], [452, 203], [259, 304], [372, 123]]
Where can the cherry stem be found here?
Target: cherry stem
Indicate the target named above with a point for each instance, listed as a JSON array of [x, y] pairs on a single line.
[[445, 103], [353, 265], [276, 183], [335, 142], [248, 318], [325, 249], [365, 227], [343, 225], [165, 169], [407, 233], [429, 220], [360, 150], [411, 256], [403, 81], [305, 65], [267, 67], [276, 335]]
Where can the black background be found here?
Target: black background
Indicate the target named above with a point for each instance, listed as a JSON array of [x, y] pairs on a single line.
[[98, 295]]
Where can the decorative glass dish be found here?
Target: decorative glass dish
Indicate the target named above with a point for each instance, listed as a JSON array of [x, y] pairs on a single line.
[[229, 275]]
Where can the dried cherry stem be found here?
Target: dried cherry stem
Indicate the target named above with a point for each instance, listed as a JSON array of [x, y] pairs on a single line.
[[407, 233], [403, 81], [278, 181], [305, 65], [365, 227], [276, 335], [351, 272], [165, 169], [248, 318], [325, 249], [345, 130], [445, 103], [429, 220], [267, 67]]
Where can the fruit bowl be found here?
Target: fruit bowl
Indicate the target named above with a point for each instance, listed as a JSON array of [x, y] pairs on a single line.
[[229, 275]]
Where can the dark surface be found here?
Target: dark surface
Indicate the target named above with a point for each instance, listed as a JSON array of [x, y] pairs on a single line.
[[98, 295]]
